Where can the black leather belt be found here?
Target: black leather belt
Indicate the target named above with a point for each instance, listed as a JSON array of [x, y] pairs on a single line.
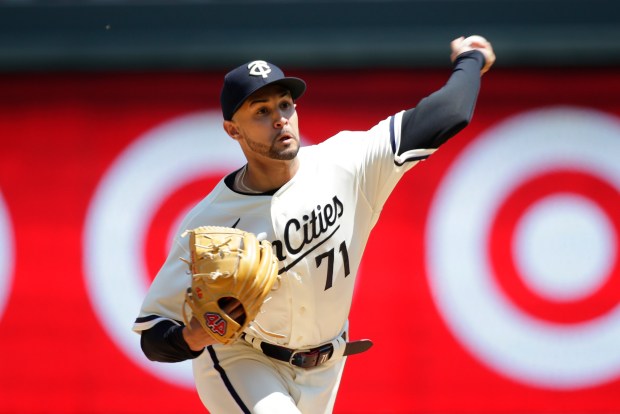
[[312, 357]]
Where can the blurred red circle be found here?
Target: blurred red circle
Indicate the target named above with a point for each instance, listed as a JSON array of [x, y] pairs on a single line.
[[167, 217], [501, 242]]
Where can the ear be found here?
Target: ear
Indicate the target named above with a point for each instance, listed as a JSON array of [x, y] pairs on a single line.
[[232, 130]]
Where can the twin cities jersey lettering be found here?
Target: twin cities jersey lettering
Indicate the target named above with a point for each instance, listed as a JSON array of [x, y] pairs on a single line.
[[319, 224]]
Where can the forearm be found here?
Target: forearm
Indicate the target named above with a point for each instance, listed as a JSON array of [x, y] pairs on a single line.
[[447, 111], [164, 342]]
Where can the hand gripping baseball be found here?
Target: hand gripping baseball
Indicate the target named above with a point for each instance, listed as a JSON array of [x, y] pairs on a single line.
[[475, 42], [228, 266]]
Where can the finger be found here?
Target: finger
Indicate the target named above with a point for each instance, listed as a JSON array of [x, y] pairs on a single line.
[[476, 45], [228, 304], [476, 42], [457, 47], [457, 42], [475, 39], [233, 308], [238, 315]]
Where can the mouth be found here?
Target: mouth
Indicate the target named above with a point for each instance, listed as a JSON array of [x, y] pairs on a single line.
[[285, 137]]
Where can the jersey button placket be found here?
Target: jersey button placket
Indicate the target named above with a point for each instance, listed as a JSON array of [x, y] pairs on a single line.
[[304, 325], [299, 281], [297, 320], [280, 218]]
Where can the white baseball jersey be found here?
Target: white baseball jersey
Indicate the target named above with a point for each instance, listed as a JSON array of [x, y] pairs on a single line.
[[319, 223]]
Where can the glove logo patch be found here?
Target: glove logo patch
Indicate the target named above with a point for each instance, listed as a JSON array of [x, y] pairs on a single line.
[[216, 323]]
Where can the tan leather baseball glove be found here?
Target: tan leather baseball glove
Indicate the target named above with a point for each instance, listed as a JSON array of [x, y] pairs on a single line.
[[227, 265]]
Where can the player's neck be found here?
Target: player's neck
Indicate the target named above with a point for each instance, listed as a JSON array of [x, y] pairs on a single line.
[[269, 176]]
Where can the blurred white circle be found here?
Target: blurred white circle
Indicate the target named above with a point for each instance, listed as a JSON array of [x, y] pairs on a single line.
[[565, 247], [6, 255]]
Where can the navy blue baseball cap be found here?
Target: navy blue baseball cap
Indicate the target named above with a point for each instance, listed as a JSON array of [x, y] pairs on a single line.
[[246, 79]]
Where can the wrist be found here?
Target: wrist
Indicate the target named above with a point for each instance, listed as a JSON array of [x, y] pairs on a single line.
[[196, 338], [190, 340]]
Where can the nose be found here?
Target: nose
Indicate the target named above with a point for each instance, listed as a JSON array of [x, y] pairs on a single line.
[[281, 122]]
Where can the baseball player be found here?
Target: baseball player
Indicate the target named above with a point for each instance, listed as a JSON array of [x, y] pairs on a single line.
[[317, 206]]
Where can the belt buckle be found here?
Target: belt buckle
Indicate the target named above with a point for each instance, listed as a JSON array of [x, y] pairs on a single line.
[[309, 358]]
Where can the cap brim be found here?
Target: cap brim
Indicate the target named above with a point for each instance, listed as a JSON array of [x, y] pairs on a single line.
[[296, 87]]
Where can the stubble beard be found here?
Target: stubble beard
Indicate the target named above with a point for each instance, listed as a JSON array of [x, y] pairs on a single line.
[[271, 151]]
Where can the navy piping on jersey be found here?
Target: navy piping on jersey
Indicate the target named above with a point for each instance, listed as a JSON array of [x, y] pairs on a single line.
[[392, 135], [229, 386], [149, 318], [411, 159], [229, 180], [393, 143]]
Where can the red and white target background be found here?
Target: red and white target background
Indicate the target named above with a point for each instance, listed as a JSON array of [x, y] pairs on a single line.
[[490, 285]]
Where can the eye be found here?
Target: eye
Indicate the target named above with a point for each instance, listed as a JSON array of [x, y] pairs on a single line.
[[286, 105]]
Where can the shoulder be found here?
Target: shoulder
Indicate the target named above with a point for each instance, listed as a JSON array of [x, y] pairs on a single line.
[[207, 206], [347, 141]]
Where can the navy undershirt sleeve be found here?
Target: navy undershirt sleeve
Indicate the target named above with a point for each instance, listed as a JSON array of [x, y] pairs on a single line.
[[164, 342], [444, 113]]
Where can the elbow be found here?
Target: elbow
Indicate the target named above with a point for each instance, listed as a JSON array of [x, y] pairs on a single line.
[[154, 348], [458, 117], [460, 125], [164, 343], [147, 348], [452, 126]]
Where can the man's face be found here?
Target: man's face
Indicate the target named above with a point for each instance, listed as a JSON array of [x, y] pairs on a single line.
[[267, 125]]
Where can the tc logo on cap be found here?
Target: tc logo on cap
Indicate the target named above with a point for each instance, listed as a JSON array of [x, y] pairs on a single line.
[[259, 68]]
